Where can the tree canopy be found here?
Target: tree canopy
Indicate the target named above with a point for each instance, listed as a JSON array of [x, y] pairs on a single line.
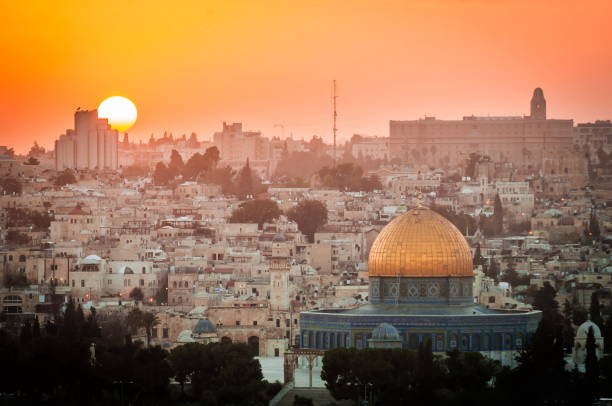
[[256, 211], [309, 215]]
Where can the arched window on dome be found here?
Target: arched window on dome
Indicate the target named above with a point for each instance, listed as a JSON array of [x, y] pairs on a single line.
[[520, 340]]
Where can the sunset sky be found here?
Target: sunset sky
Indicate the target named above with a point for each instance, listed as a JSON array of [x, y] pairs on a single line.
[[190, 65]]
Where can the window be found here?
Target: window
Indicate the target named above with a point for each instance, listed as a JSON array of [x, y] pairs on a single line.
[[73, 281], [12, 299], [276, 352], [165, 332], [254, 322], [154, 332], [237, 322], [142, 282], [82, 283], [277, 322]]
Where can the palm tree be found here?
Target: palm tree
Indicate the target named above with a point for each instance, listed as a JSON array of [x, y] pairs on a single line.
[[149, 320]]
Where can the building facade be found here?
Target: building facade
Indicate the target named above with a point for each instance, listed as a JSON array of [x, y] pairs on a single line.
[[422, 284], [518, 139], [92, 144]]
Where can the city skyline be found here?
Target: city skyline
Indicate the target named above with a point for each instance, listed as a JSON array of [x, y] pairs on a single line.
[[190, 69]]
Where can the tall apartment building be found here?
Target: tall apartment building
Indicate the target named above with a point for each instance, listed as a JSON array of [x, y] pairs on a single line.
[[517, 139], [92, 144], [237, 145]]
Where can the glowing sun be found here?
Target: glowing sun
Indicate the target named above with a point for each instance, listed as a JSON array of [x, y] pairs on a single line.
[[120, 112]]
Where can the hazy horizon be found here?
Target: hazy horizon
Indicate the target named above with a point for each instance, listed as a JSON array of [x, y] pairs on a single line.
[[190, 68]]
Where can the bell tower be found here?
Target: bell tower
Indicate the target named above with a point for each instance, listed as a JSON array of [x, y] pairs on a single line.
[[538, 105]]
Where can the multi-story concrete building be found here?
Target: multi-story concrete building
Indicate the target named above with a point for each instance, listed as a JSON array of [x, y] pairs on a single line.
[[92, 144], [371, 147], [521, 140]]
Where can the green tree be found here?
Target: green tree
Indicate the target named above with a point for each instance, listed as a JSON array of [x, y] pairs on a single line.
[[256, 211], [65, 177], [185, 361], [25, 336], [32, 161], [162, 175], [478, 258], [36, 150], [245, 181], [149, 321], [498, 216], [137, 294], [309, 215], [10, 186], [134, 320], [591, 366]]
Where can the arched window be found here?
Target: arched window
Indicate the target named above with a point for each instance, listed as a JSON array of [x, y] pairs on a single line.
[[12, 299], [174, 284], [22, 258]]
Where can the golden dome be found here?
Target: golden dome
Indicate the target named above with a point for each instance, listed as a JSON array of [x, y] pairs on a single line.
[[420, 243]]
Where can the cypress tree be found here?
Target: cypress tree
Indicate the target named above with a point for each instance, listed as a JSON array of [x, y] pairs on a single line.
[[478, 259], [245, 181], [25, 335], [498, 216], [69, 326], [591, 366], [36, 329]]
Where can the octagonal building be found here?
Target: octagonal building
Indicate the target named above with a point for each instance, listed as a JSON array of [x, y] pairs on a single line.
[[421, 283]]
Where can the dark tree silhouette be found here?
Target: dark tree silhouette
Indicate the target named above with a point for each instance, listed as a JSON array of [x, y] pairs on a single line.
[[309, 215], [256, 211]]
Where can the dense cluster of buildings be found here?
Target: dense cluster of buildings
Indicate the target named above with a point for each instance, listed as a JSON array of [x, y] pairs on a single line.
[[386, 270]]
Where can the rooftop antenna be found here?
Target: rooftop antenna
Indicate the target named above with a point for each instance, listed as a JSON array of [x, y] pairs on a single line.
[[335, 130]]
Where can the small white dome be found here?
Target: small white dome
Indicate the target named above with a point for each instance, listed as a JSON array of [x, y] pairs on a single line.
[[91, 260]]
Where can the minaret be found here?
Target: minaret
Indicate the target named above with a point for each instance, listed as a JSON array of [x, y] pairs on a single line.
[[279, 275], [538, 105]]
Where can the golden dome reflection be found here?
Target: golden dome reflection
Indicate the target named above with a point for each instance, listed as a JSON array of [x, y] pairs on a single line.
[[420, 243]]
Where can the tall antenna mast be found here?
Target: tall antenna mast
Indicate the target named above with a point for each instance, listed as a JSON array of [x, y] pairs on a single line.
[[334, 97]]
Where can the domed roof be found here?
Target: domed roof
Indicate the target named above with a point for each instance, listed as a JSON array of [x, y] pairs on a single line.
[[385, 331], [91, 259], [420, 243], [204, 326], [583, 330]]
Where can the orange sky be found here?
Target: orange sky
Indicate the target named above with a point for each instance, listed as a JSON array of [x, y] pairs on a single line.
[[189, 65]]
